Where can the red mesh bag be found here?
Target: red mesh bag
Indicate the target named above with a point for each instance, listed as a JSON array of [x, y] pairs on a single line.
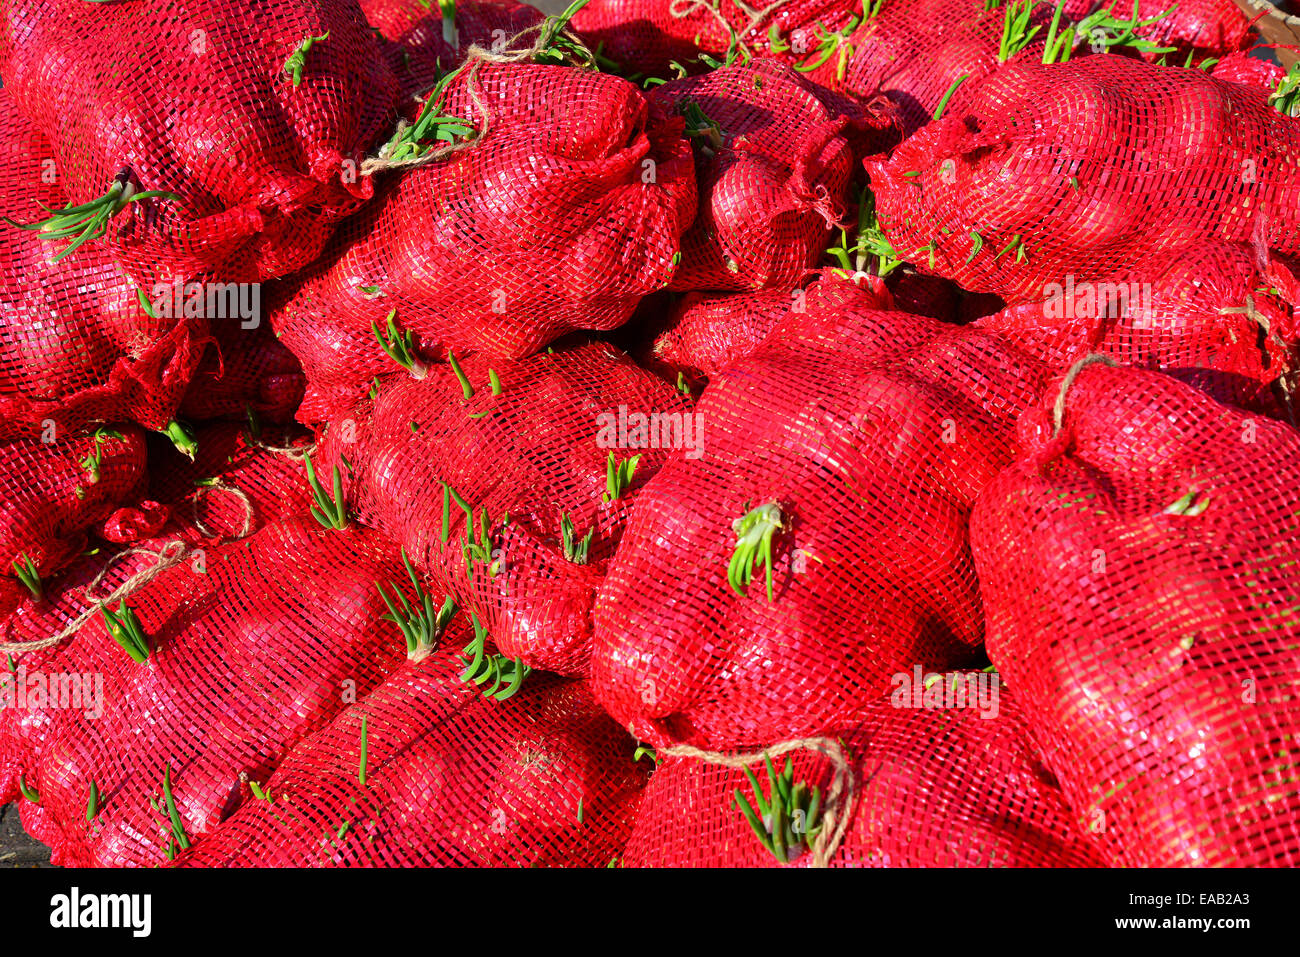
[[919, 53], [54, 493], [264, 167], [235, 484], [561, 216], [1204, 314], [75, 345], [646, 36], [956, 787], [768, 589], [773, 164], [1214, 27], [426, 45], [1138, 575], [245, 372], [1087, 169], [706, 333], [522, 460], [1242, 67], [276, 634], [544, 779], [231, 489]]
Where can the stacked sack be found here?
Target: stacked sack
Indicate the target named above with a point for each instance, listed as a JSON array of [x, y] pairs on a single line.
[[660, 435]]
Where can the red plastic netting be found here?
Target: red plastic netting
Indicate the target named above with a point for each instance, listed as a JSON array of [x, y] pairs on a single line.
[[913, 53], [1251, 70], [1138, 576], [1086, 169], [230, 490], [258, 644], [54, 492], [76, 346], [192, 97], [561, 216], [425, 46], [646, 36], [1205, 314], [543, 779], [523, 461], [245, 371], [234, 483], [848, 448], [773, 163], [703, 334], [931, 786], [1213, 27]]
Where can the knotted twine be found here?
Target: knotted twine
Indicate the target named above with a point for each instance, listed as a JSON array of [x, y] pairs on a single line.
[[517, 49], [1058, 410], [838, 805], [168, 556]]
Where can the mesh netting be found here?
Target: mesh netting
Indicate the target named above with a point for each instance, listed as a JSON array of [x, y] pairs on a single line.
[[75, 344], [1205, 314], [424, 48], [192, 97], [1138, 576], [1085, 169], [703, 334], [523, 461], [1243, 67], [646, 36], [245, 371], [565, 213], [773, 167], [233, 481], [1212, 27], [542, 779], [913, 53], [54, 492], [932, 786], [848, 448], [277, 633]]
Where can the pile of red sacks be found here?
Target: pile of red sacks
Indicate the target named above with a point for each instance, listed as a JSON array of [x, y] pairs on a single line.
[[661, 434]]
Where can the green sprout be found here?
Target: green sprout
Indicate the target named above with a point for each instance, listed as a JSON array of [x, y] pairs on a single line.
[[618, 475], [789, 818], [331, 512], [943, 103], [398, 345], [365, 750], [298, 59], [575, 550], [93, 806], [431, 127], [868, 241], [124, 627], [420, 625], [1286, 98], [481, 667], [466, 389], [1191, 504], [93, 462], [28, 791], [179, 840], [1016, 31], [701, 127], [754, 534], [181, 438], [89, 221], [27, 573]]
